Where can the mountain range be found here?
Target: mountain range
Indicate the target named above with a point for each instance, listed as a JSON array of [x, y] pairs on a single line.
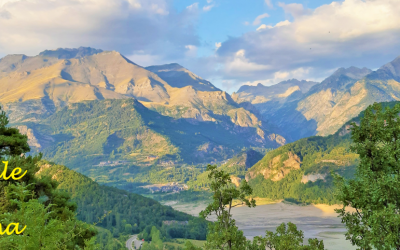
[[323, 108], [83, 107], [101, 114]]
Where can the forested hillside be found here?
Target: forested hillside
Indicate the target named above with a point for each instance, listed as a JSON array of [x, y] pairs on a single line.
[[300, 171], [119, 211], [136, 141]]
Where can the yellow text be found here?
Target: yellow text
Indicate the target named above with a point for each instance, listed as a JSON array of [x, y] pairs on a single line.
[[16, 171], [15, 229]]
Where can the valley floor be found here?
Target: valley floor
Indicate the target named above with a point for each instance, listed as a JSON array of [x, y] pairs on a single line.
[[316, 221]]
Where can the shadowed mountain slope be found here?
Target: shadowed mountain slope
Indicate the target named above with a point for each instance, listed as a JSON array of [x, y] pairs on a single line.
[[327, 106]]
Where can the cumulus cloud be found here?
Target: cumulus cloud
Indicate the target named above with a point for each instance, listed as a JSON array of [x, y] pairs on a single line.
[[340, 34], [264, 26], [296, 10], [141, 28], [239, 64], [193, 6], [208, 7], [258, 19], [269, 3], [191, 50]]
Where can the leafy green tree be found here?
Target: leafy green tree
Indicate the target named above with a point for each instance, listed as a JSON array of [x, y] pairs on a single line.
[[289, 238], [34, 202], [189, 246], [41, 232], [12, 143], [156, 241], [375, 192], [128, 228], [224, 234]]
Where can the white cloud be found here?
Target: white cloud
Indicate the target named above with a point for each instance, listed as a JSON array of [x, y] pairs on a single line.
[[191, 50], [193, 6], [246, 23], [258, 19], [283, 23], [264, 26], [269, 3], [340, 34], [209, 1], [240, 64], [280, 24], [127, 26], [295, 9], [217, 45], [208, 7]]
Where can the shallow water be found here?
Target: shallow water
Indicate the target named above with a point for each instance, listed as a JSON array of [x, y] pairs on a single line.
[[315, 221]]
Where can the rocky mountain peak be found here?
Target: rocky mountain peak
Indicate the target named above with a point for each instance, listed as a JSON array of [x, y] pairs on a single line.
[[179, 77], [165, 67], [352, 72], [391, 70], [67, 53], [341, 79]]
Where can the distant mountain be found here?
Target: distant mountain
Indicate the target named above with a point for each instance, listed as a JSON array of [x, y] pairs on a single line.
[[70, 53], [36, 87], [268, 99], [95, 110], [328, 105], [280, 90], [94, 137], [179, 77], [388, 71], [341, 79]]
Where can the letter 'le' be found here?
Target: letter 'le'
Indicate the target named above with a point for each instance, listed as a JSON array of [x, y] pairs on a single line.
[[16, 171]]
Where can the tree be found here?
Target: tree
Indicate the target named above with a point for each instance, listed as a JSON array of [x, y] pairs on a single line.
[[224, 234], [289, 238], [374, 193], [156, 241], [48, 214], [12, 143]]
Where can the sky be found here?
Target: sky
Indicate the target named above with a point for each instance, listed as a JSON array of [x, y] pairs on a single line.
[[228, 42]]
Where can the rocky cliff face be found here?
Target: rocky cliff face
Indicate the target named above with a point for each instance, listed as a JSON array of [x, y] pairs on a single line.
[[277, 168]]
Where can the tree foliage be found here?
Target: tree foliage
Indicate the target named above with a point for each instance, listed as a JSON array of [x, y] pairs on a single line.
[[224, 234], [289, 238], [47, 213], [375, 191], [12, 143]]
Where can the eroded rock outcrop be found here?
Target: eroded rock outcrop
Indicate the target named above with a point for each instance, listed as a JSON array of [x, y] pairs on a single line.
[[277, 168]]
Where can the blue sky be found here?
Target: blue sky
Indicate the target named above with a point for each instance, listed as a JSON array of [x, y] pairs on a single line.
[[227, 18], [228, 42]]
